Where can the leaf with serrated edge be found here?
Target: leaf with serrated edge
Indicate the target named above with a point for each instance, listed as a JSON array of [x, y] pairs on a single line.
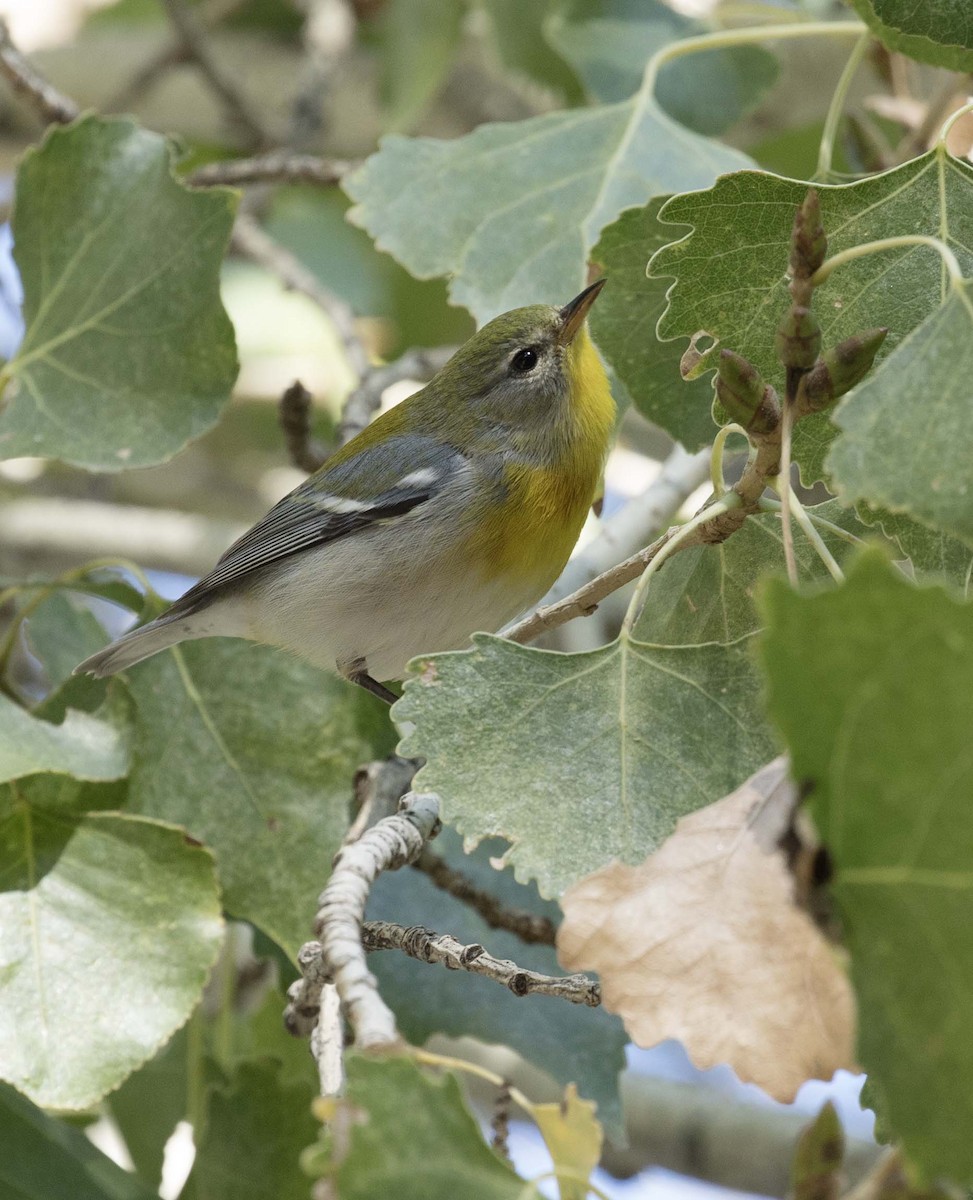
[[85, 746], [518, 205], [253, 752], [820, 1151], [906, 439], [703, 942], [935, 31], [109, 926], [128, 353], [730, 271], [870, 686], [598, 754]]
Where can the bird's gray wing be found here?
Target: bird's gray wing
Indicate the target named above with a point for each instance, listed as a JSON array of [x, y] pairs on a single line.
[[405, 472]]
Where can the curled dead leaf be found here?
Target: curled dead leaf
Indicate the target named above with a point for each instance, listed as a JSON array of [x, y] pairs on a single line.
[[703, 942]]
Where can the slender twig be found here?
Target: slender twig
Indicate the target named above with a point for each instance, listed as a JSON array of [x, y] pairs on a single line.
[[787, 492], [50, 104], [294, 414], [420, 364], [428, 946], [528, 926], [252, 241], [194, 38], [277, 166], [339, 958], [500, 1121], [172, 54]]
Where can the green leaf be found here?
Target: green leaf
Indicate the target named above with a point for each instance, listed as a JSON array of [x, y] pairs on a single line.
[[571, 1043], [730, 271], [255, 1129], [42, 1158], [907, 440], [934, 555], [418, 40], [706, 593], [253, 752], [818, 1156], [418, 1140], [510, 211], [598, 754], [62, 631], [149, 1105], [108, 928], [85, 746], [935, 31], [870, 685], [128, 353], [519, 31], [623, 325], [609, 42]]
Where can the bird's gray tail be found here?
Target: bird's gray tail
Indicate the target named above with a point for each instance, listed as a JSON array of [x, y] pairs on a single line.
[[133, 647]]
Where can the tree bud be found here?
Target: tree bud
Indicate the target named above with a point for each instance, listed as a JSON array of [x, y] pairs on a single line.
[[838, 370], [798, 339], [809, 245], [742, 392]]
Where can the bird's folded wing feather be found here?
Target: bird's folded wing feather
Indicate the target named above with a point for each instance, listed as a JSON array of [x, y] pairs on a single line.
[[404, 472]]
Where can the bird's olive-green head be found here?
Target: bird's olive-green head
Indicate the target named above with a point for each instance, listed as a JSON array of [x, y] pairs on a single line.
[[533, 368]]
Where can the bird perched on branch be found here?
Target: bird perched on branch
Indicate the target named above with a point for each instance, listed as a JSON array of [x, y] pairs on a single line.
[[453, 512]]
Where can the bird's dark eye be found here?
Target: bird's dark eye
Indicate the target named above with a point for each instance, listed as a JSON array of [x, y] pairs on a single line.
[[524, 360]]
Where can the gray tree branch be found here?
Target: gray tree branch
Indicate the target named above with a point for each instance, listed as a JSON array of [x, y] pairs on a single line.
[[50, 105]]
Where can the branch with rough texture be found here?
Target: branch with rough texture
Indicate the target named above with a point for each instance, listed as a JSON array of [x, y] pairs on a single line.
[[193, 36], [427, 946], [294, 414], [340, 956], [250, 240], [528, 926], [50, 104], [762, 466], [420, 364], [277, 166], [379, 787]]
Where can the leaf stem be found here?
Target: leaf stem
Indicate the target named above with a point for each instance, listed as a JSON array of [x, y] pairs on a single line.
[[730, 501], [800, 514], [786, 492], [716, 456], [722, 38], [837, 107], [951, 121], [950, 262], [766, 504], [429, 1058]]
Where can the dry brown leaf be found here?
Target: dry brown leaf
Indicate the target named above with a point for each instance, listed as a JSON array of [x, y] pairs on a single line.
[[703, 942]]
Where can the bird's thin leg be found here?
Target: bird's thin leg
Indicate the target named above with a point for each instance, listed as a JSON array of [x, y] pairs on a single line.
[[357, 672]]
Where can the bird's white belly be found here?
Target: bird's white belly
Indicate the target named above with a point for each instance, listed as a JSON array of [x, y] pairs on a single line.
[[342, 603]]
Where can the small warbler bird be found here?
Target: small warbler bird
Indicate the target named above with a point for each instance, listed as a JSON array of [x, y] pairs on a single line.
[[451, 513]]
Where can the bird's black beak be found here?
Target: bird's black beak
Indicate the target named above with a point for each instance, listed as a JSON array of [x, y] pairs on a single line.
[[575, 311]]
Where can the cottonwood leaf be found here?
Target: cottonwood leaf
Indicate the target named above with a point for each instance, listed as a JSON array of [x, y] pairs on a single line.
[[82, 745], [932, 553], [256, 1126], [42, 1157], [707, 593], [109, 925], [623, 324], [609, 42], [935, 31], [869, 684], [906, 438], [518, 205], [579, 758], [520, 33], [568, 1041], [417, 40], [703, 942], [128, 353], [253, 751], [730, 271], [412, 1137], [573, 1138]]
